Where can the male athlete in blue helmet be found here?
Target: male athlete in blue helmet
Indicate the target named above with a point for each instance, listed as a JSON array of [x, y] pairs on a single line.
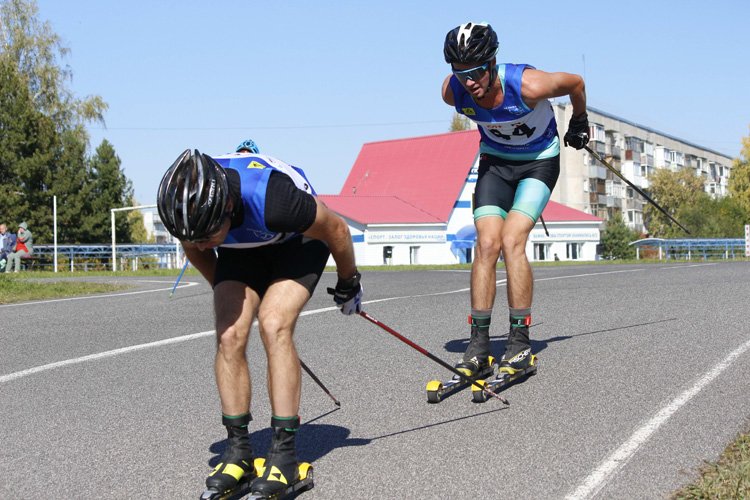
[[518, 168], [248, 146], [252, 226]]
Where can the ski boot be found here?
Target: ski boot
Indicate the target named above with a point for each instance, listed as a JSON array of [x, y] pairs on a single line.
[[231, 478], [476, 364], [280, 475], [516, 363]]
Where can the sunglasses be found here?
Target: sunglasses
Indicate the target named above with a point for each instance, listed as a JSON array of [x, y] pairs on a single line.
[[473, 74]]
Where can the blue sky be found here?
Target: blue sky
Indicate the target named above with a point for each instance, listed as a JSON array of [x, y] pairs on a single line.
[[311, 82]]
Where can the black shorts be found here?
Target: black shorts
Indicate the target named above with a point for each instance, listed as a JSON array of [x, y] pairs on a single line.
[[519, 185], [298, 259]]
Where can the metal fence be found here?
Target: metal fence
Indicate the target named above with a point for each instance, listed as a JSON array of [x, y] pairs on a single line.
[[99, 257], [690, 249]]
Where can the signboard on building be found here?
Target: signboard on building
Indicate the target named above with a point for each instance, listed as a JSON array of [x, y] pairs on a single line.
[[404, 237], [747, 240], [565, 235]]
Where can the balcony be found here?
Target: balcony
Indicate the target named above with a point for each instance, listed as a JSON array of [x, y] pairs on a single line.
[[647, 159], [612, 151]]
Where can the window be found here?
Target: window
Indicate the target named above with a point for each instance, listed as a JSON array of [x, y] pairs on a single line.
[[540, 251], [413, 255], [387, 255], [573, 251]]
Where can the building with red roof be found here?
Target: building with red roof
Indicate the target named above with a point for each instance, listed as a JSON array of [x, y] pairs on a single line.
[[408, 201]]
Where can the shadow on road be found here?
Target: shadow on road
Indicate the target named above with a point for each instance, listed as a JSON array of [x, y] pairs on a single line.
[[497, 343], [313, 442]]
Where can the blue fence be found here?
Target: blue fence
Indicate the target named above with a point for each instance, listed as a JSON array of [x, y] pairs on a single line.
[[91, 257], [690, 249]]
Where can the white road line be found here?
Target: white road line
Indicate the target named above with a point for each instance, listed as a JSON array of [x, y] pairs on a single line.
[[683, 266], [599, 477], [173, 340], [106, 354], [184, 284]]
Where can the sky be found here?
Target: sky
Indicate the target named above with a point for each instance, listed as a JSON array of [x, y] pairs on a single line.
[[311, 82]]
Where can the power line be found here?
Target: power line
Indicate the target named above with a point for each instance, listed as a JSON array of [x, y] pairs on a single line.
[[279, 127]]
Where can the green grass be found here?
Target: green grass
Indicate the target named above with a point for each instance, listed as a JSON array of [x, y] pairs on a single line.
[[15, 288], [729, 477]]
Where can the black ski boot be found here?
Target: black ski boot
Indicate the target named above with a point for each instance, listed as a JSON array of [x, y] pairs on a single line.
[[235, 471], [280, 471], [517, 363], [476, 357], [517, 360]]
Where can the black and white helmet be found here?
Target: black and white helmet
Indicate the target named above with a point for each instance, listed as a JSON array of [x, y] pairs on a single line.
[[470, 43], [193, 196]]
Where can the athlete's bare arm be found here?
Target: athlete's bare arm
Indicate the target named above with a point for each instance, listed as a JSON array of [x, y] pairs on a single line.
[[538, 85], [448, 92], [203, 260], [333, 230]]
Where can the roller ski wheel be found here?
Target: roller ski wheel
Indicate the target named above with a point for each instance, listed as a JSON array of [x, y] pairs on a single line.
[[438, 391], [506, 376], [304, 482]]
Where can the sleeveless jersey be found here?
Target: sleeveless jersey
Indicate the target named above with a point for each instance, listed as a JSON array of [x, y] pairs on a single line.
[[511, 130], [254, 171]]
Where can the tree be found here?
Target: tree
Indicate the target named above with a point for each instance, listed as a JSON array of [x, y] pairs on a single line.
[[459, 123], [110, 188], [43, 140], [34, 50], [615, 239], [671, 190], [739, 180], [28, 146], [138, 233]]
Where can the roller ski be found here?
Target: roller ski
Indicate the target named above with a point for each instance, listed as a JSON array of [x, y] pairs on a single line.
[[232, 478], [280, 476], [516, 364], [438, 391], [476, 363]]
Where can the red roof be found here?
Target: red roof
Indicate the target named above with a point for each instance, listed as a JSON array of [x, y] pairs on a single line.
[[417, 181], [378, 209], [555, 212]]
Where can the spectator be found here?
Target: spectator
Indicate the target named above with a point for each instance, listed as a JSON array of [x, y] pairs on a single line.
[[7, 243], [24, 247]]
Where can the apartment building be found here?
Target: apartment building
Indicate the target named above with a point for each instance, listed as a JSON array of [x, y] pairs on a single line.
[[636, 151]]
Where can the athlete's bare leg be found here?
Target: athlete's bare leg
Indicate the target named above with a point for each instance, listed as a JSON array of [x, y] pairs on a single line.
[[484, 266], [277, 317], [515, 233], [235, 305]]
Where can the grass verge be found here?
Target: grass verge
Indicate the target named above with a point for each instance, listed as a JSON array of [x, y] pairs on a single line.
[[729, 477], [15, 289]]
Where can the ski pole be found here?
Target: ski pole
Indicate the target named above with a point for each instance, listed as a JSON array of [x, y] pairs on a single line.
[[320, 384], [432, 356], [179, 278], [544, 225], [637, 189]]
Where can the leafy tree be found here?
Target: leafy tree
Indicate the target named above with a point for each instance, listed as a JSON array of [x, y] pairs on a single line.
[[615, 239], [739, 180], [672, 190], [138, 233], [34, 49], [43, 140], [28, 146], [459, 123], [110, 189], [713, 218]]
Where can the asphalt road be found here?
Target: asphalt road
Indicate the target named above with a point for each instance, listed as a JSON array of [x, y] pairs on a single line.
[[644, 374]]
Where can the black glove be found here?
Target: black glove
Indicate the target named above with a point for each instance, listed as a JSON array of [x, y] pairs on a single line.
[[348, 294], [578, 131]]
